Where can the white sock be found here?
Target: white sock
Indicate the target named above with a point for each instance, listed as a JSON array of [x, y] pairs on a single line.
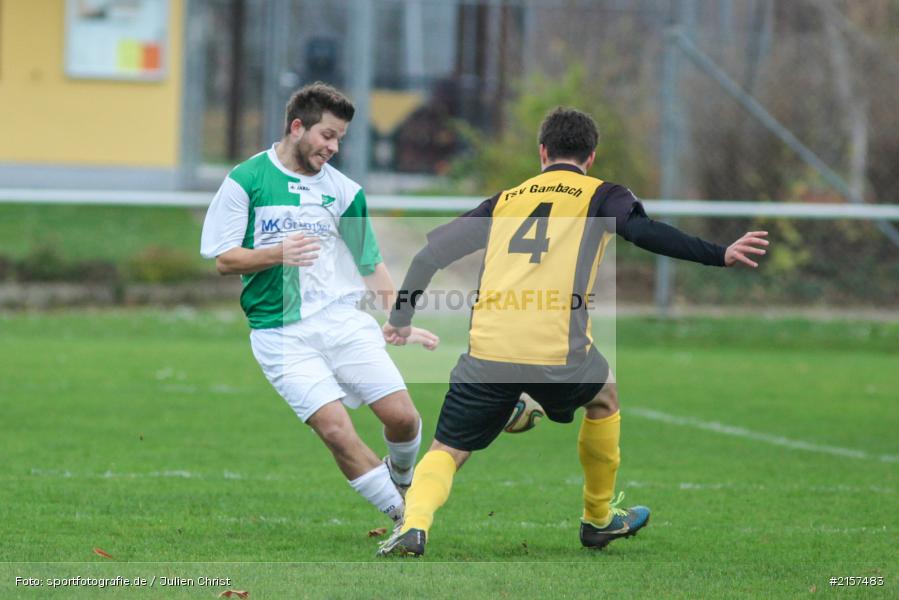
[[376, 487], [402, 457]]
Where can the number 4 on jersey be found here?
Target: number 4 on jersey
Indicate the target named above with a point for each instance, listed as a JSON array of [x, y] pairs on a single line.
[[537, 245]]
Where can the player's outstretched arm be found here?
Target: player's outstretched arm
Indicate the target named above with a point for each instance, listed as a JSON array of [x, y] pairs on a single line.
[[752, 242], [633, 224], [446, 244], [399, 326]]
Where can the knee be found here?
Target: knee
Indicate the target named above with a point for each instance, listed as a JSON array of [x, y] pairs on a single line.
[[610, 398], [404, 423], [337, 436], [605, 403]]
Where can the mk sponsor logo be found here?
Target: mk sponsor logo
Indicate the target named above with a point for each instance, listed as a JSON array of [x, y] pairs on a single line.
[[289, 225], [270, 225]]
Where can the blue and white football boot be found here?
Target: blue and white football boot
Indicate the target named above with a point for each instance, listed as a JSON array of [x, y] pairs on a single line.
[[626, 522]]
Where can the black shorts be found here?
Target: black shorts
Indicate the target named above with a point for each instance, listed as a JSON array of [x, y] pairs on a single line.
[[483, 393]]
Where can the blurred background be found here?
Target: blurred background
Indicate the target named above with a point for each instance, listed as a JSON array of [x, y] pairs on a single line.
[[121, 117]]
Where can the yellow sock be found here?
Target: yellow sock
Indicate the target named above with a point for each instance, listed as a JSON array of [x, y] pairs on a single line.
[[430, 488], [597, 446]]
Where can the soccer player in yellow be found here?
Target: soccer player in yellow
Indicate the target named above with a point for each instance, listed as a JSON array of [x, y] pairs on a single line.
[[530, 329]]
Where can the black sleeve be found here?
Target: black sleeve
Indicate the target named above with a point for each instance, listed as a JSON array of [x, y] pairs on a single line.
[[419, 275], [664, 239], [446, 244], [619, 203], [613, 201], [463, 235]]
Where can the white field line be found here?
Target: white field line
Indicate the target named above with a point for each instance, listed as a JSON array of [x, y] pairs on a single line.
[[575, 480], [715, 486], [170, 474], [767, 438]]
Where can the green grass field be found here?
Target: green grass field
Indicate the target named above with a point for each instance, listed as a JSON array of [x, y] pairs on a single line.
[[98, 232], [766, 449]]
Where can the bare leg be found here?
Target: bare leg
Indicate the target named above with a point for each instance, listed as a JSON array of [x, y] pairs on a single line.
[[398, 415], [363, 470], [402, 433], [333, 425]]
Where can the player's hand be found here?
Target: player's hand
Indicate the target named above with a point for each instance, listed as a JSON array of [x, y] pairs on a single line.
[[396, 336], [424, 337], [300, 250], [752, 242]]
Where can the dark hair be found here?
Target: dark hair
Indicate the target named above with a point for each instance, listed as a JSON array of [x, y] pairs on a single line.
[[568, 133], [310, 101]]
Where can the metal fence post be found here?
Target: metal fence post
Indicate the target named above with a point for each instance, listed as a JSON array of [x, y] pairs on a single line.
[[360, 76], [277, 28], [669, 159], [193, 97]]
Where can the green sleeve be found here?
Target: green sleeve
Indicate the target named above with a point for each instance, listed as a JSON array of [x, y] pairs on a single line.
[[244, 174], [356, 231]]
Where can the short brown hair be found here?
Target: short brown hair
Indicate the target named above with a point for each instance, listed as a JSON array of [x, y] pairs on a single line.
[[568, 133], [310, 101]]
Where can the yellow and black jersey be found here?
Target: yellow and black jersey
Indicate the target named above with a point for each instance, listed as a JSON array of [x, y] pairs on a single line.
[[541, 257], [543, 240]]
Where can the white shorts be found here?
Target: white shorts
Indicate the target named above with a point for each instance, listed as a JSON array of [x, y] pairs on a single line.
[[338, 353]]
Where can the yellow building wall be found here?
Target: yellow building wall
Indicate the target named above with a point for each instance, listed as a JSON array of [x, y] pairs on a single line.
[[47, 117]]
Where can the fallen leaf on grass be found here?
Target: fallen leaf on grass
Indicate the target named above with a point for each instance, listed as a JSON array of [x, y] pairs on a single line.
[[102, 553], [378, 532], [238, 593]]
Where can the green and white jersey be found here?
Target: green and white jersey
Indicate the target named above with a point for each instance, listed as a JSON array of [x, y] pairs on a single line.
[[260, 203]]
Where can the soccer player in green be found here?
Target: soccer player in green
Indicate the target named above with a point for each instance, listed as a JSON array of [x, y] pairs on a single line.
[[298, 232]]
